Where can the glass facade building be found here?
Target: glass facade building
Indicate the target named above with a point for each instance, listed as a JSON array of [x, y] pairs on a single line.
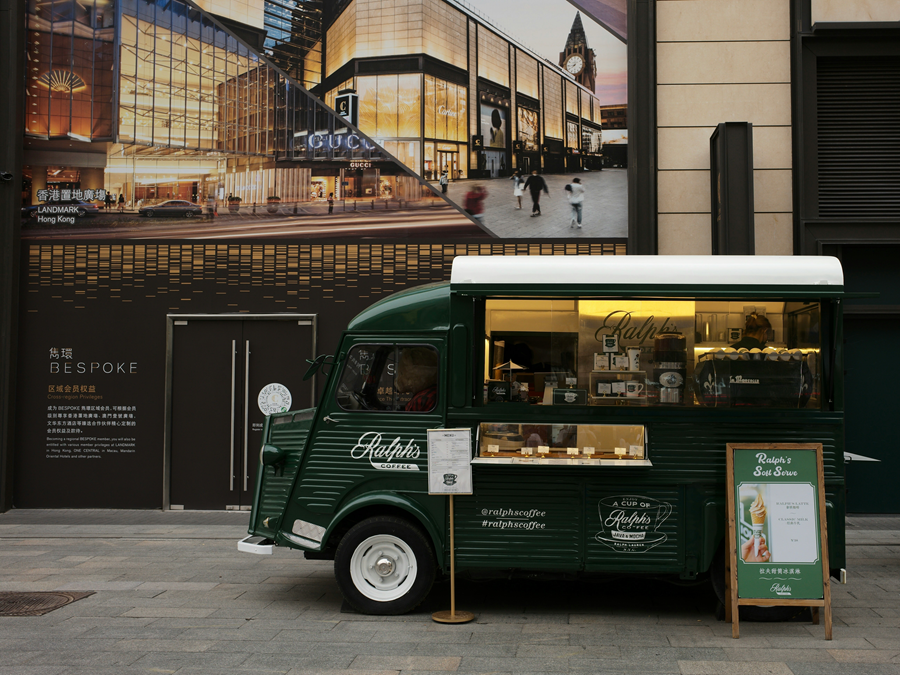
[[160, 100], [294, 38], [447, 82], [71, 70]]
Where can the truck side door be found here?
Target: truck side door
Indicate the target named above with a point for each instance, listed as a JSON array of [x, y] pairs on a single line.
[[371, 431]]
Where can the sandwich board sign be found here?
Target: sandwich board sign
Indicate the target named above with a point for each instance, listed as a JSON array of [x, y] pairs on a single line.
[[777, 538]]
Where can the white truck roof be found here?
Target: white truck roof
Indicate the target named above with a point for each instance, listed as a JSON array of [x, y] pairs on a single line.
[[648, 270]]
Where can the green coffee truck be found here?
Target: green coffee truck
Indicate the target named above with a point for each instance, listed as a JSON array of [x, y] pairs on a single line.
[[599, 394]]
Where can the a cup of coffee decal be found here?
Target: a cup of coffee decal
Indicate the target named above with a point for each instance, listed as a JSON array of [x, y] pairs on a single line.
[[634, 389], [630, 522]]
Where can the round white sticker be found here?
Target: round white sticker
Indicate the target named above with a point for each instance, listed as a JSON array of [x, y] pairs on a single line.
[[274, 398]]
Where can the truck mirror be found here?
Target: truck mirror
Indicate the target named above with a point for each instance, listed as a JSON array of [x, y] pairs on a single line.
[[272, 456], [321, 360]]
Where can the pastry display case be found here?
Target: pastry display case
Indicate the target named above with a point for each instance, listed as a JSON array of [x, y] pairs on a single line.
[[563, 444]]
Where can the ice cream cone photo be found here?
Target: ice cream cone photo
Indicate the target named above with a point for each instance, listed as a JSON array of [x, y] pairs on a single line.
[[758, 511], [755, 538]]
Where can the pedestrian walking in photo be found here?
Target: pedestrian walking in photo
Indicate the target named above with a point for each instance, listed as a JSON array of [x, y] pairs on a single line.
[[443, 181], [121, 202], [518, 188], [330, 203], [535, 184], [474, 202], [575, 193], [108, 200]]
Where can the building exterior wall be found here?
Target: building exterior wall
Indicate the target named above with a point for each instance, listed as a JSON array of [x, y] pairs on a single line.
[[855, 10], [552, 104], [250, 12], [722, 61], [493, 57], [372, 28], [526, 74], [497, 71]]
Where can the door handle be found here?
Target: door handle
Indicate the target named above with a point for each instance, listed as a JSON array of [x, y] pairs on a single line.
[[231, 453], [246, 411], [328, 418]]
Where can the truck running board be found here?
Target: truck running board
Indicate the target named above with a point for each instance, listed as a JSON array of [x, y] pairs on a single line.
[[255, 544]]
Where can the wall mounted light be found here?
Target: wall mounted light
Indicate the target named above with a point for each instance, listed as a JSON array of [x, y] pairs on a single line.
[[62, 81]]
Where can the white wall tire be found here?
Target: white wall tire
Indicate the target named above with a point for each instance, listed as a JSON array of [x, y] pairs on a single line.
[[384, 565]]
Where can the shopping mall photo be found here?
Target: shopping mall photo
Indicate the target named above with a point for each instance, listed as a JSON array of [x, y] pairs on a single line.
[[231, 107]]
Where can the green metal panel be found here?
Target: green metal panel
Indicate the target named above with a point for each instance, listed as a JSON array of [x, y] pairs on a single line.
[[350, 451], [694, 450], [634, 527], [289, 432], [423, 308], [334, 470], [460, 348], [531, 519], [429, 511]]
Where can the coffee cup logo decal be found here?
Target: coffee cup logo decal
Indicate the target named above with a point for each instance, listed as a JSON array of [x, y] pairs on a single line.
[[631, 522], [450, 479]]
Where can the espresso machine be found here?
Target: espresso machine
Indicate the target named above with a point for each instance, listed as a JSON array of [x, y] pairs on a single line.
[[670, 366]]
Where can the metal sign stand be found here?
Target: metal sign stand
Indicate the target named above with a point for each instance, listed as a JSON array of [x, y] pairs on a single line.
[[452, 616], [450, 473]]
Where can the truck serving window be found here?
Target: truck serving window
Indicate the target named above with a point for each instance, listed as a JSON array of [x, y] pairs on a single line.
[[389, 377], [586, 444], [699, 353]]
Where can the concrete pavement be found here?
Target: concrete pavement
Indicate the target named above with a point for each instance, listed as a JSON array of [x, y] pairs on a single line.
[[173, 595], [605, 206]]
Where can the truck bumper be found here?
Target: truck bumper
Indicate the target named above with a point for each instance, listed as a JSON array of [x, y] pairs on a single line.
[[256, 544]]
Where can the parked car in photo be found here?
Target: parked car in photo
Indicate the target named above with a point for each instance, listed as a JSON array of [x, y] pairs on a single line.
[[173, 207], [83, 208]]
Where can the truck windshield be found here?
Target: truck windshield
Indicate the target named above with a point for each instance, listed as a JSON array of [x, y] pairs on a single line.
[[389, 377]]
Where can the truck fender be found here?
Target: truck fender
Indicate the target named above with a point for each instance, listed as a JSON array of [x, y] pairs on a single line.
[[391, 499]]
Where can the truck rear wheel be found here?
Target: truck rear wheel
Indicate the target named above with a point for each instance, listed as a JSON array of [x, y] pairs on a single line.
[[384, 565]]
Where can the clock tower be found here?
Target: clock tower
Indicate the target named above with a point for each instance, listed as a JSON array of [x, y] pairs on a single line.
[[578, 58]]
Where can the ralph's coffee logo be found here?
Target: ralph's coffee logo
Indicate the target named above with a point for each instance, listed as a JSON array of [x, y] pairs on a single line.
[[386, 456], [619, 323], [630, 522]]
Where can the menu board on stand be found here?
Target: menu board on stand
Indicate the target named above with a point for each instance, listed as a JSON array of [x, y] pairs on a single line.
[[450, 473], [777, 539]]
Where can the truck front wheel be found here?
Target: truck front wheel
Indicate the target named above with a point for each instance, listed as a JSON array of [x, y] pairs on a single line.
[[384, 565]]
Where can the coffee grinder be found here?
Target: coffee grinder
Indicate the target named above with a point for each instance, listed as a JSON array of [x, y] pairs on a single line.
[[670, 371]]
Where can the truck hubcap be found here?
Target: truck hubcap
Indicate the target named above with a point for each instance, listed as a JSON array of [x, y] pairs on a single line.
[[383, 568]]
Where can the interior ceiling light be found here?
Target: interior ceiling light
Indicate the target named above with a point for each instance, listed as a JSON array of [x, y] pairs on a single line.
[[62, 80]]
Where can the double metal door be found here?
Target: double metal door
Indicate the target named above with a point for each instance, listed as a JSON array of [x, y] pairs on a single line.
[[225, 375]]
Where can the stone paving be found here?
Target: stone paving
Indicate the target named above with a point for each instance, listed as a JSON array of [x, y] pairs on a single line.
[[605, 207], [173, 595]]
